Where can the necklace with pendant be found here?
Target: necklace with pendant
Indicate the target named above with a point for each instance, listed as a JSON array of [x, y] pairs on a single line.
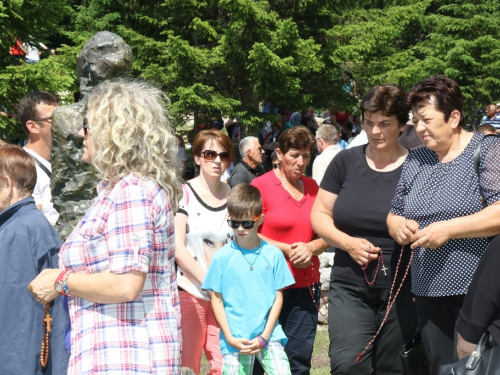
[[256, 254]]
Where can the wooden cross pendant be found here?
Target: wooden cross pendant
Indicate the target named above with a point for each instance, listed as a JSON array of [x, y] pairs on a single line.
[[47, 319]]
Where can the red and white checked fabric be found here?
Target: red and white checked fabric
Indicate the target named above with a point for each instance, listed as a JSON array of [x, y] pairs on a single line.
[[129, 227]]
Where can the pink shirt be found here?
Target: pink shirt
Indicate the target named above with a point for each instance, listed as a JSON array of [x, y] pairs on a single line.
[[129, 227]]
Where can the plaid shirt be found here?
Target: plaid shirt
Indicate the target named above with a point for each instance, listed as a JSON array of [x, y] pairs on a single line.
[[128, 228]]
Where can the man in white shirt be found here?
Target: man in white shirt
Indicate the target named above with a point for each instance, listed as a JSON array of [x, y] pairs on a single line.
[[326, 141], [35, 113], [33, 53]]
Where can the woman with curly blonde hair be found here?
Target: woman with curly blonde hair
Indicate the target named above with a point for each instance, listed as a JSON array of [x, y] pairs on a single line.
[[117, 267]]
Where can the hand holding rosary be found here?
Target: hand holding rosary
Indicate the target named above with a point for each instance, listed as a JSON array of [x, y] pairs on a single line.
[[380, 261]]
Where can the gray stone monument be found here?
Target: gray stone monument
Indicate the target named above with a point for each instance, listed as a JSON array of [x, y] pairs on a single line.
[[73, 182]]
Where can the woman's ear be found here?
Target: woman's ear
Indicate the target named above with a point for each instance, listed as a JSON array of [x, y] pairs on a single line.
[[197, 159], [279, 154], [455, 119], [7, 182]]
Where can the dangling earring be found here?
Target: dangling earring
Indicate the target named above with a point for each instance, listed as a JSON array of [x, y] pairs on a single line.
[[8, 197]]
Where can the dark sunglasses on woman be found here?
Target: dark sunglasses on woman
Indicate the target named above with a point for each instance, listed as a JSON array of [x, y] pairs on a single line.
[[211, 155], [246, 224]]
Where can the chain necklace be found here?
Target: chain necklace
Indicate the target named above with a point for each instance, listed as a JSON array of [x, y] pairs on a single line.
[[369, 156], [256, 253]]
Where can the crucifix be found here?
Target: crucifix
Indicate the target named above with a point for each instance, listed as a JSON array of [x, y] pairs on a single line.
[[313, 289], [47, 319], [384, 268]]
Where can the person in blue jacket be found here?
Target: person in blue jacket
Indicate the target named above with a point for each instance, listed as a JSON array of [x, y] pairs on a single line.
[[28, 244]]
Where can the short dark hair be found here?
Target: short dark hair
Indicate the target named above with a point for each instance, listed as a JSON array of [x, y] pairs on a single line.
[[348, 125], [27, 106], [215, 136], [484, 128], [298, 137], [305, 120], [443, 92], [388, 99], [243, 200], [20, 167]]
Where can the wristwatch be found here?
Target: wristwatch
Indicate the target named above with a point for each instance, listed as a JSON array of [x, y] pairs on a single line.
[[61, 285]]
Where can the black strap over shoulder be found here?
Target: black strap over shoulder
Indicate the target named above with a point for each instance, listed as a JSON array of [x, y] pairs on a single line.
[[42, 167], [477, 160]]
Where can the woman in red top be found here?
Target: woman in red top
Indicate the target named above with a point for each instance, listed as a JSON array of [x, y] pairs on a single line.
[[287, 199], [340, 117]]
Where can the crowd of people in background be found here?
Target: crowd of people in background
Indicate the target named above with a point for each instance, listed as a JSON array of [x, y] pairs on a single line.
[[162, 269], [27, 52]]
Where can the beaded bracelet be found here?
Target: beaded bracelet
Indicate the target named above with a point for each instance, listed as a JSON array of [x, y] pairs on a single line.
[[65, 283], [263, 342]]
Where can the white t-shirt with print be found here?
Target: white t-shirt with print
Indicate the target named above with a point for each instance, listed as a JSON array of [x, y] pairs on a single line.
[[206, 232]]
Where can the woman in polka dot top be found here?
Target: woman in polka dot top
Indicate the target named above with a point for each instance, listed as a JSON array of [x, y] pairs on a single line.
[[437, 209]]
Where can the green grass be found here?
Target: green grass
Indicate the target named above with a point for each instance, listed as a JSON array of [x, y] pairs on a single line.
[[320, 359]]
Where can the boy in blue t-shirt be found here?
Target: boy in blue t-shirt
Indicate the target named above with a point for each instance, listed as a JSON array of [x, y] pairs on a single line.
[[247, 277]]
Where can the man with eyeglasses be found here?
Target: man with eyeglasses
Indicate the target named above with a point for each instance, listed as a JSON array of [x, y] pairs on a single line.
[[251, 164], [35, 113]]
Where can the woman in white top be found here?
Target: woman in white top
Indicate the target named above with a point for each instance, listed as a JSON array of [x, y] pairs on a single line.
[[201, 229]]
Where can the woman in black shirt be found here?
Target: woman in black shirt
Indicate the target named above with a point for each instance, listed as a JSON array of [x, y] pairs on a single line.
[[481, 308], [350, 214]]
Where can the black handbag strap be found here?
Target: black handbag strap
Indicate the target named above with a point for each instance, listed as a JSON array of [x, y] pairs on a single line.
[[476, 355], [42, 167], [477, 160]]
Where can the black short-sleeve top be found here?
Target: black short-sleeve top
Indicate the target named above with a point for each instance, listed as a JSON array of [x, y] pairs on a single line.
[[481, 308], [430, 191], [360, 210]]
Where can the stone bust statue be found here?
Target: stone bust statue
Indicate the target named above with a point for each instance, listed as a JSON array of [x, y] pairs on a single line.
[[73, 182]]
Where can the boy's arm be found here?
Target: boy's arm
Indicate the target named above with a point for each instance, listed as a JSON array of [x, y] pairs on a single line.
[[220, 316], [273, 315], [254, 345]]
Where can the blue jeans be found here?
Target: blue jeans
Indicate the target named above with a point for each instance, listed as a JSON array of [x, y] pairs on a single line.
[[299, 319]]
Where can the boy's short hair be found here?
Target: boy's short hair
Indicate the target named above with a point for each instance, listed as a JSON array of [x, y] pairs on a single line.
[[486, 129], [243, 200]]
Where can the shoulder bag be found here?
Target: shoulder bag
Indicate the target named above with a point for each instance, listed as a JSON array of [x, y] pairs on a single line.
[[482, 361], [413, 357]]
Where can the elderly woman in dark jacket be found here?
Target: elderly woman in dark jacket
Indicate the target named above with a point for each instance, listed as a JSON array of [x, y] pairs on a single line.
[[29, 244]]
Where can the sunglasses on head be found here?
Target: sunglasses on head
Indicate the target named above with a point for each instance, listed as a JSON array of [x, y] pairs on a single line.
[[246, 224], [85, 126], [211, 155]]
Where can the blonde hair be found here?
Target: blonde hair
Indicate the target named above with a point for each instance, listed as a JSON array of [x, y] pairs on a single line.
[[131, 133]]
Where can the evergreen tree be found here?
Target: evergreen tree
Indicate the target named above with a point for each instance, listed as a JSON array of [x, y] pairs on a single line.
[[222, 55], [32, 21]]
